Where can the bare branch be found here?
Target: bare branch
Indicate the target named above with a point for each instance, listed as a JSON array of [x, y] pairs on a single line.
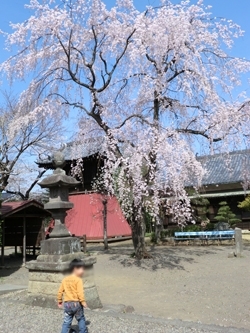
[[40, 174], [196, 132]]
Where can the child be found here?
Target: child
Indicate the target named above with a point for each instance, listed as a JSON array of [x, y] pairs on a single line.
[[71, 290]]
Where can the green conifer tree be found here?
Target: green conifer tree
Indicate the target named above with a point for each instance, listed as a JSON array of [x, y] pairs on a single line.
[[225, 214]]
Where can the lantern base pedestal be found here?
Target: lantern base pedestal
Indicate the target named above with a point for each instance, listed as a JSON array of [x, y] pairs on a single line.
[[46, 273], [60, 231], [60, 246]]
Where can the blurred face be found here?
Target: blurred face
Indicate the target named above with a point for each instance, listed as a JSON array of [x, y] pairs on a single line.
[[79, 271]]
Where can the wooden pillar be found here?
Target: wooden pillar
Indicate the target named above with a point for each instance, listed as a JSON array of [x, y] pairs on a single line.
[[84, 243], [105, 226], [15, 250], [3, 242], [24, 240]]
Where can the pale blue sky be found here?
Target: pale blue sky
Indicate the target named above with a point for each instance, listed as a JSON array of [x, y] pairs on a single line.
[[237, 10]]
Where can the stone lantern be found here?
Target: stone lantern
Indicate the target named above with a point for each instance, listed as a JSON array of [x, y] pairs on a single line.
[[47, 272], [59, 184]]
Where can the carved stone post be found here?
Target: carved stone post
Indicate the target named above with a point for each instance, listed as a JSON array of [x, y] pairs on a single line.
[[238, 242]]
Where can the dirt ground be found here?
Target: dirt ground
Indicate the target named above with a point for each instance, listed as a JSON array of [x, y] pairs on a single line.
[[184, 282]]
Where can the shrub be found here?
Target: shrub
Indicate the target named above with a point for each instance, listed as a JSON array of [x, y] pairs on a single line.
[[153, 237], [193, 227], [225, 214], [209, 227]]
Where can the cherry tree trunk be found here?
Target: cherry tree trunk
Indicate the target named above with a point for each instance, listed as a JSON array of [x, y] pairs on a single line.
[[105, 232], [138, 237]]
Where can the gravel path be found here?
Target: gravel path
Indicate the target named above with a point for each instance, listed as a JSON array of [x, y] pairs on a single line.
[[19, 318], [197, 284]]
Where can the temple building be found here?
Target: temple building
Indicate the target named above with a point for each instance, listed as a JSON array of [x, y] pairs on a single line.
[[226, 179], [86, 218], [88, 151]]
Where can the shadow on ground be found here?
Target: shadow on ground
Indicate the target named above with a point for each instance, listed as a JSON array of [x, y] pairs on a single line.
[[163, 257], [12, 264]]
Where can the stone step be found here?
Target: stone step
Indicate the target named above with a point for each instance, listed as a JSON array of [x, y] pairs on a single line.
[[8, 288]]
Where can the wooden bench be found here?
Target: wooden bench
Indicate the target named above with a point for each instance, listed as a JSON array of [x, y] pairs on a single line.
[[204, 236]]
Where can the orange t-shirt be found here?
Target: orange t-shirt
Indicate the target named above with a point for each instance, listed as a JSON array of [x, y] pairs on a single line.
[[71, 290]]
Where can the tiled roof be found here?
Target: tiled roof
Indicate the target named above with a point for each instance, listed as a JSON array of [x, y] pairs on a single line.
[[74, 150], [5, 196], [11, 207], [226, 168]]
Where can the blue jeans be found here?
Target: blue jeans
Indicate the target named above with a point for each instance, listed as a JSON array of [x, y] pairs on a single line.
[[71, 310]]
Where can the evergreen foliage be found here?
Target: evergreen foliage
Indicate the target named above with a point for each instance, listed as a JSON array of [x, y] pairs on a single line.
[[245, 204], [225, 214]]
